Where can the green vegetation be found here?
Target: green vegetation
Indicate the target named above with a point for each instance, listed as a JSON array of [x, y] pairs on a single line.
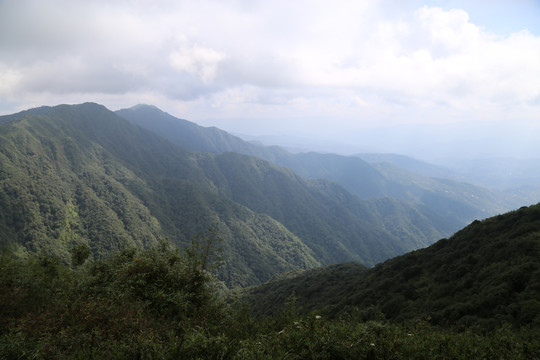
[[414, 224], [439, 206], [162, 303], [81, 175], [486, 275], [135, 303], [85, 197], [313, 289]]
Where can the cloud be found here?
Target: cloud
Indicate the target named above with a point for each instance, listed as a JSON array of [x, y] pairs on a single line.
[[354, 62], [197, 61]]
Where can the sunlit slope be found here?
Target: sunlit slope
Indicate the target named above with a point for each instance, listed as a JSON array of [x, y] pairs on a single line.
[[81, 174]]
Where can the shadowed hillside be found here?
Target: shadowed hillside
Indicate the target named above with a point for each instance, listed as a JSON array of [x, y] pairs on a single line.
[[486, 274]]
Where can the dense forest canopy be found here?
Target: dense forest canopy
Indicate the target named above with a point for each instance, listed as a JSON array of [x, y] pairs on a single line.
[[81, 174], [487, 274]]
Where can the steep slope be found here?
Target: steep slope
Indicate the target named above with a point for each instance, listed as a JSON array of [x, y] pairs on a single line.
[[56, 191], [361, 177], [192, 136], [81, 174], [412, 165], [351, 171], [488, 273], [324, 219], [450, 201]]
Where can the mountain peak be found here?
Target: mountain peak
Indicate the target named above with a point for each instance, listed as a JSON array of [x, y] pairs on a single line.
[[43, 110], [144, 107]]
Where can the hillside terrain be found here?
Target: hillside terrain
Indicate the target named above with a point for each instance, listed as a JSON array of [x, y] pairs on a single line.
[[412, 165], [432, 190], [502, 173], [162, 303], [81, 174], [89, 199], [487, 274]]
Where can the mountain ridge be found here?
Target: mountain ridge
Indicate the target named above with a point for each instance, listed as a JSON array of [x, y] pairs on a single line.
[[83, 174], [453, 200], [105, 190], [486, 274]]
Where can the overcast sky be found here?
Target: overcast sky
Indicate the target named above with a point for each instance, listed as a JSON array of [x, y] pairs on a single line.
[[318, 68]]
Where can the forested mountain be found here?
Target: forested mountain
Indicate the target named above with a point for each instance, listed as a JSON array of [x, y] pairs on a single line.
[[412, 165], [191, 136], [486, 274], [511, 182], [435, 191], [78, 181], [503, 173], [82, 175]]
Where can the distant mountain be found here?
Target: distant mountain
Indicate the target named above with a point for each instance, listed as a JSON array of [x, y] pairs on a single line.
[[434, 191], [502, 173], [334, 214], [191, 136], [82, 174], [460, 201], [486, 274], [412, 165], [354, 174], [513, 181]]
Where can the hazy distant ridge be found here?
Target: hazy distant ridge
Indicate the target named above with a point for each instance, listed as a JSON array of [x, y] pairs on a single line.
[[452, 201]]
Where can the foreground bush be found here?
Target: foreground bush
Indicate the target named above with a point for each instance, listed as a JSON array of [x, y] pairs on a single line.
[[160, 304]]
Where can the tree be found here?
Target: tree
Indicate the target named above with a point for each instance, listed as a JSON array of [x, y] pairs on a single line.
[[79, 254]]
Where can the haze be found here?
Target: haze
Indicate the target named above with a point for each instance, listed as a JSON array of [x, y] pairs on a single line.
[[431, 79]]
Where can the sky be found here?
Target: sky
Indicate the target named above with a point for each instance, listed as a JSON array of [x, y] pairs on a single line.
[[402, 76]]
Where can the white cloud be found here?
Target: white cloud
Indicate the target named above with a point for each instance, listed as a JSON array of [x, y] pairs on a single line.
[[354, 62], [198, 61], [8, 79]]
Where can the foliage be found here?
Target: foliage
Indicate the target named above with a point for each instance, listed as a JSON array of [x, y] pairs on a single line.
[[135, 302], [436, 207], [420, 211], [75, 175], [313, 289], [79, 254], [485, 275], [159, 303]]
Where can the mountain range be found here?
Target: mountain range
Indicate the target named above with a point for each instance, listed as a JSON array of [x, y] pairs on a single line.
[[82, 174], [435, 189], [317, 264]]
